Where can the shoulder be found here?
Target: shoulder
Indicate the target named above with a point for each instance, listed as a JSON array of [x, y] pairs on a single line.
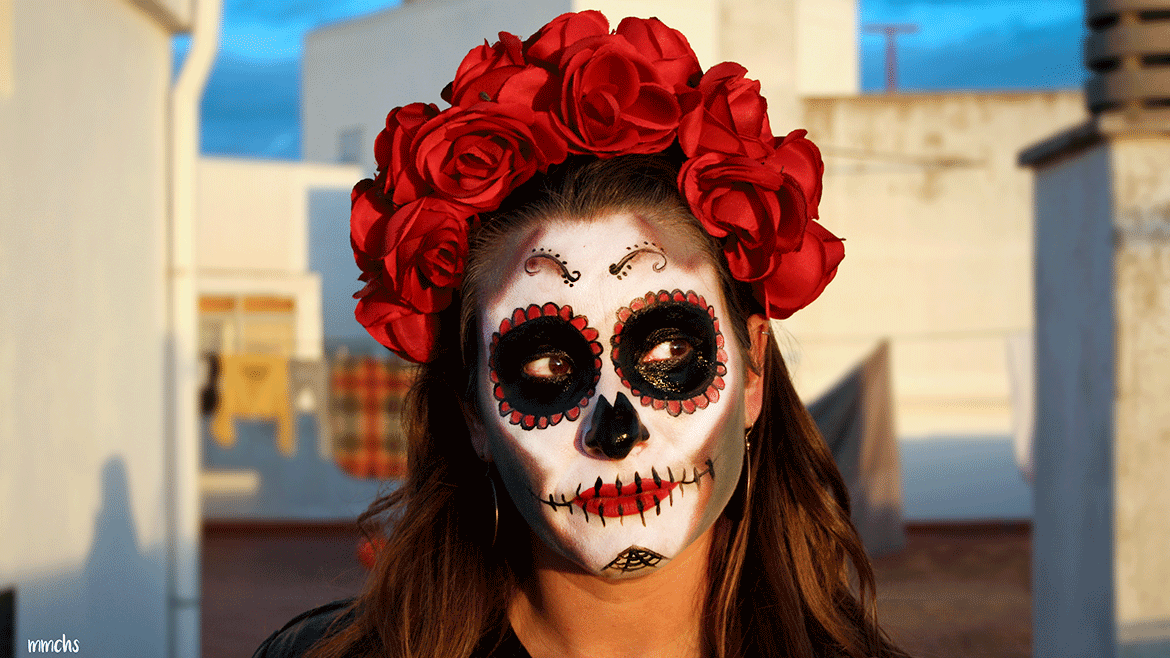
[[302, 631]]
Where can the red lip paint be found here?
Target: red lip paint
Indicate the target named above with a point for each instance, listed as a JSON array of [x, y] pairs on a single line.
[[613, 502]]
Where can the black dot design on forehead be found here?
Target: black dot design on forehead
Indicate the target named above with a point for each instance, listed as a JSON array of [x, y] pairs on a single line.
[[664, 316], [534, 333], [622, 268], [541, 255]]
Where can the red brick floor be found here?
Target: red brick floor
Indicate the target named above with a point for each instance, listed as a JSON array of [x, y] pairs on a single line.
[[953, 592]]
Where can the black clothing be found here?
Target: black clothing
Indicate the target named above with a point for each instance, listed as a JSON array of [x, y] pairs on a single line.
[[303, 631]]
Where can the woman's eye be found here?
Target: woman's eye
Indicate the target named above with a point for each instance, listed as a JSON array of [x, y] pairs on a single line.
[[667, 350], [553, 366]]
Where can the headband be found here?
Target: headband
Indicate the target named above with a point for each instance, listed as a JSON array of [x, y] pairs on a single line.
[[575, 87]]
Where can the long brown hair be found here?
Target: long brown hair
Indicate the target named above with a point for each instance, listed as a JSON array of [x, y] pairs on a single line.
[[788, 575]]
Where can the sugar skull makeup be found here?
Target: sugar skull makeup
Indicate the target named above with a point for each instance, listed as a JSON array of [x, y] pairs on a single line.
[[612, 403]]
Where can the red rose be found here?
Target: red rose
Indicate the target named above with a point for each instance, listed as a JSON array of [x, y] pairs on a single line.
[[669, 50], [427, 241], [726, 115], [476, 155], [548, 44], [798, 157], [613, 101], [484, 70], [408, 334], [802, 274], [369, 213], [392, 150], [758, 211]]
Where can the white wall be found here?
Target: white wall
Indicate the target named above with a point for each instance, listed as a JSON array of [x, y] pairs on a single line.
[[826, 50], [937, 219], [83, 212], [253, 232], [357, 71]]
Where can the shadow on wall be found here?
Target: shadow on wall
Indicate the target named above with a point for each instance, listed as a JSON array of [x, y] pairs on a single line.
[[115, 604]]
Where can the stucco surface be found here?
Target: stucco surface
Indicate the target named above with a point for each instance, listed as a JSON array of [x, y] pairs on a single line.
[[1141, 447], [83, 194], [937, 219]]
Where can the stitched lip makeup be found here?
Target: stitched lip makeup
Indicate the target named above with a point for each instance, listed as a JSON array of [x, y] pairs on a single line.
[[633, 498], [605, 500]]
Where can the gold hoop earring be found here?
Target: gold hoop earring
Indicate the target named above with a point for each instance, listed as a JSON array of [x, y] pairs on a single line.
[[747, 456]]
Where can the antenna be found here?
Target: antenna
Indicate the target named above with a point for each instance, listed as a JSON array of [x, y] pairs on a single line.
[[891, 31]]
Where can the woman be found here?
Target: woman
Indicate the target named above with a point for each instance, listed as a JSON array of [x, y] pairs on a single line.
[[607, 456]]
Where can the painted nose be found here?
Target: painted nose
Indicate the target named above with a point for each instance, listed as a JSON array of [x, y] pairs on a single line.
[[616, 428]]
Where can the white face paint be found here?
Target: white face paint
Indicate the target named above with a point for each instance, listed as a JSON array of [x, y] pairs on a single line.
[[615, 309]]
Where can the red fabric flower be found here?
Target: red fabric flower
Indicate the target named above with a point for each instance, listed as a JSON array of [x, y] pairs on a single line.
[[798, 157], [476, 155], [756, 210], [666, 47], [425, 245], [549, 43], [726, 115], [613, 101], [573, 87], [802, 274], [484, 70], [393, 155]]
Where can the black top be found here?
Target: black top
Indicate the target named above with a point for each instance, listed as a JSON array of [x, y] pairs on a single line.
[[305, 629]]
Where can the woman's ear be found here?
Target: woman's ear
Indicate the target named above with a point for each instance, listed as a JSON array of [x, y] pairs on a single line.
[[760, 332]]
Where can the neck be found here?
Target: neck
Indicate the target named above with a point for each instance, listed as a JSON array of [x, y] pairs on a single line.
[[564, 611]]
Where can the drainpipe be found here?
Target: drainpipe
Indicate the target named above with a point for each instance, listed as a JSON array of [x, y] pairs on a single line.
[[183, 461]]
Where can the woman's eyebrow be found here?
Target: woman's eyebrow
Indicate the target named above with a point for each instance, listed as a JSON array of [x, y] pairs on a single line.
[[539, 258], [622, 267]]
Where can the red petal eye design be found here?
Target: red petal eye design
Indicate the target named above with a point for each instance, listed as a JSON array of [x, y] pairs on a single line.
[[544, 365], [668, 351]]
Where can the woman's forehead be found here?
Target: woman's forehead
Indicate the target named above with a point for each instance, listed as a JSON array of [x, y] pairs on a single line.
[[598, 265]]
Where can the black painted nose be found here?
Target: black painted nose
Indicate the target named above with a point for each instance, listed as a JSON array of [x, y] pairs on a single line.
[[616, 428]]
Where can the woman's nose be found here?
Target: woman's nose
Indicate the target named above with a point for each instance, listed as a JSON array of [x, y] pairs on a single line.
[[615, 429]]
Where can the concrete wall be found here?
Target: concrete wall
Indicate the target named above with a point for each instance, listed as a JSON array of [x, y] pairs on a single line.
[[1072, 577], [83, 214], [937, 219], [253, 234], [826, 49], [356, 71], [1141, 443], [1100, 563]]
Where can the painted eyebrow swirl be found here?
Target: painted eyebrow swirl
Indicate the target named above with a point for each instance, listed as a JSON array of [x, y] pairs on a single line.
[[540, 255], [544, 364], [622, 267]]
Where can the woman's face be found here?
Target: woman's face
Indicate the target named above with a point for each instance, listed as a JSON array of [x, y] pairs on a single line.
[[611, 391]]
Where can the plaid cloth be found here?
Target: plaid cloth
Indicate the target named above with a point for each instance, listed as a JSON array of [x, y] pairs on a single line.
[[365, 406]]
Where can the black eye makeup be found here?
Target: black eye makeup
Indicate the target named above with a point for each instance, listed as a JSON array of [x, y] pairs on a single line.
[[544, 364], [668, 350]]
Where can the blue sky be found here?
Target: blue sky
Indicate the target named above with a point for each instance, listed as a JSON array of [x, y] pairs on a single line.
[[251, 106]]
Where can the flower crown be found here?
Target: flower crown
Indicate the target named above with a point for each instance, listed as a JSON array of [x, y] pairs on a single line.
[[575, 87]]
